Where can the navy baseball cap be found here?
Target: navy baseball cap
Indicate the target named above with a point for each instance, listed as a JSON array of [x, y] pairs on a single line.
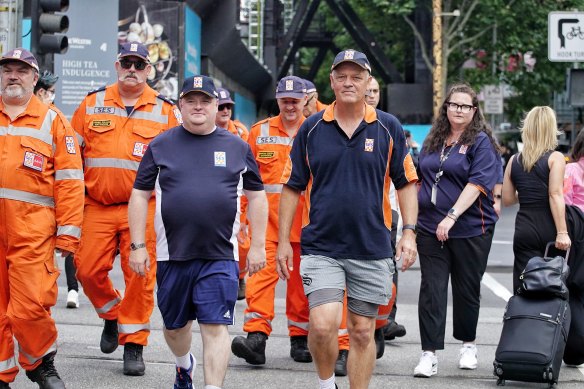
[[21, 55], [224, 96], [352, 56], [310, 87], [135, 49], [201, 84], [292, 87]]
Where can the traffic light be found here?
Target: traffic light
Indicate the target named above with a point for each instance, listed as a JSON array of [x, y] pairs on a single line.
[[49, 26]]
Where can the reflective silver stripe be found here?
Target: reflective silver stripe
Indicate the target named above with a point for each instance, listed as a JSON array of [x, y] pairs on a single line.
[[265, 128], [154, 116], [133, 328], [68, 174], [80, 140], [303, 326], [109, 305], [112, 162], [7, 364], [343, 331], [382, 317], [32, 359], [275, 188], [43, 133], [69, 230], [254, 315], [27, 197]]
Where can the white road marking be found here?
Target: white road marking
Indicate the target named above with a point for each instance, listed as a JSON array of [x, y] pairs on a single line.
[[502, 242], [496, 287]]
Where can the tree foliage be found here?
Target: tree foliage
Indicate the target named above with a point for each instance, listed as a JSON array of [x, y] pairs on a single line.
[[486, 44]]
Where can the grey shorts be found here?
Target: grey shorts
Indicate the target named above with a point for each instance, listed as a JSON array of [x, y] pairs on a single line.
[[364, 279]]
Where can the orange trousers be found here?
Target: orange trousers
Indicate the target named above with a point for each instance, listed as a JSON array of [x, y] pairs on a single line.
[[260, 295], [28, 285], [244, 242], [105, 229], [384, 310]]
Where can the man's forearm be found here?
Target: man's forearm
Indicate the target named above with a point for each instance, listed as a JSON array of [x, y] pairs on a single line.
[[257, 215], [288, 204], [408, 203], [138, 214]]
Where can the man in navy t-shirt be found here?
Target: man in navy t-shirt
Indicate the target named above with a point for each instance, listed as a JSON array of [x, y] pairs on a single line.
[[199, 173]]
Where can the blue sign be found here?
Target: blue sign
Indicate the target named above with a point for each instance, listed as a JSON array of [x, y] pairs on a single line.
[[192, 43]]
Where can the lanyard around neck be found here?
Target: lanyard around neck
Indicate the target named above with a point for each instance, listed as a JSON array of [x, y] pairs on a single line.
[[443, 159]]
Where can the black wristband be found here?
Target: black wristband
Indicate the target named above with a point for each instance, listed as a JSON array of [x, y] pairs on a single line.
[[410, 227]]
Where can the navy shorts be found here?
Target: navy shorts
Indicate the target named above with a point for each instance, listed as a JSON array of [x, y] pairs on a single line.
[[200, 290]]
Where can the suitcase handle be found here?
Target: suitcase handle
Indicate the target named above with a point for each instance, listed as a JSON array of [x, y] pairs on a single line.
[[550, 244]]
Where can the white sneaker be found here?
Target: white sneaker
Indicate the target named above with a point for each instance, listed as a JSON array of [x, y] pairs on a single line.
[[428, 365], [468, 357], [72, 299]]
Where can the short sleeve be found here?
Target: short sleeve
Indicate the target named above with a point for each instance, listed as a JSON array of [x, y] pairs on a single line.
[[251, 178], [402, 168], [147, 172], [484, 169]]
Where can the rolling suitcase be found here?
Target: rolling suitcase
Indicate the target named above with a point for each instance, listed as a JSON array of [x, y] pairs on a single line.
[[533, 340]]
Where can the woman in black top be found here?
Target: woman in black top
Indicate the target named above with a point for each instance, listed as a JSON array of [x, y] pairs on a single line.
[[534, 178]]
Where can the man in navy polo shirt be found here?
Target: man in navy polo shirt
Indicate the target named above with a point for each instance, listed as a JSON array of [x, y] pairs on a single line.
[[198, 172], [344, 159]]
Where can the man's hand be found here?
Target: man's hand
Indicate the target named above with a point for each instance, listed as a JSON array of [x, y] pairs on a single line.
[[407, 249], [139, 261], [256, 259], [284, 260]]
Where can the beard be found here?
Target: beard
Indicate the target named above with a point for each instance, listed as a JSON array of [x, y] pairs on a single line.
[[16, 91]]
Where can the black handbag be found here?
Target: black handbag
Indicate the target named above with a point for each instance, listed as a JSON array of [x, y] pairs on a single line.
[[545, 276]]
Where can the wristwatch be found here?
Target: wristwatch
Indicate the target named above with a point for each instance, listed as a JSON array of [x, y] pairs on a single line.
[[410, 227], [136, 246], [452, 214]]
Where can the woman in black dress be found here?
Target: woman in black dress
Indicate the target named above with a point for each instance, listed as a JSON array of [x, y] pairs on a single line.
[[534, 178]]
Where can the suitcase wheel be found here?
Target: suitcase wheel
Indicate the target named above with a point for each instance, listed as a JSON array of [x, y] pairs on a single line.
[[500, 382]]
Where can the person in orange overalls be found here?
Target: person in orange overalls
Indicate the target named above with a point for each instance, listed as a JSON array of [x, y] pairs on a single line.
[[271, 140], [223, 119], [312, 105], [115, 124], [41, 203], [386, 328]]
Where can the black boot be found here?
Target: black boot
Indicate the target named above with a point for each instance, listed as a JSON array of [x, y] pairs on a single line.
[[341, 363], [252, 348], [109, 336], [299, 349], [393, 330], [379, 343], [133, 362], [45, 374], [241, 289], [4, 385]]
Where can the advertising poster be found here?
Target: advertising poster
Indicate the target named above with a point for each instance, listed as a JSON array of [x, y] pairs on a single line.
[[192, 43], [89, 62], [154, 23]]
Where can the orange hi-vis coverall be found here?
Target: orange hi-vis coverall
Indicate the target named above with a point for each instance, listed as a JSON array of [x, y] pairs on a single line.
[[113, 143], [41, 203], [271, 147], [243, 237]]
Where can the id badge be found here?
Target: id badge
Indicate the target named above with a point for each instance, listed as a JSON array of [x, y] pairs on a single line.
[[433, 197]]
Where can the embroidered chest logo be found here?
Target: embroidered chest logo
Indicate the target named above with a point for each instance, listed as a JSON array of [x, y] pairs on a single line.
[[139, 149], [220, 159], [70, 143], [110, 110], [33, 161], [266, 154], [369, 144], [463, 149]]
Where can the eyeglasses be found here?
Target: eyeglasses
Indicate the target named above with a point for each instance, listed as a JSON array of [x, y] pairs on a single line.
[[223, 106], [309, 99], [138, 65], [464, 108]]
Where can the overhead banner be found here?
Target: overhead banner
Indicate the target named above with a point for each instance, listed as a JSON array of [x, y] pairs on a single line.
[[89, 62], [154, 23]]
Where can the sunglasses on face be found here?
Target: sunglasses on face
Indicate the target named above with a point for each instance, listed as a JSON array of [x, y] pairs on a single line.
[[138, 65], [223, 106]]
